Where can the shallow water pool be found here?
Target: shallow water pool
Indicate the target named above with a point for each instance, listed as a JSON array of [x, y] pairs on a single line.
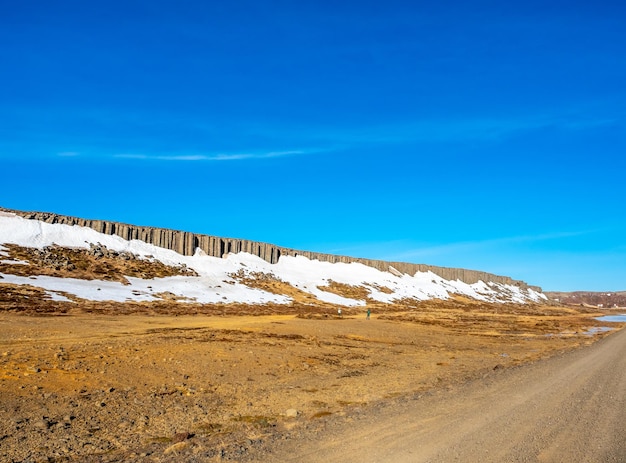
[[612, 318]]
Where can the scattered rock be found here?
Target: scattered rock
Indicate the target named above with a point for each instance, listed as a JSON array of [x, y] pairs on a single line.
[[176, 447], [42, 424], [181, 436]]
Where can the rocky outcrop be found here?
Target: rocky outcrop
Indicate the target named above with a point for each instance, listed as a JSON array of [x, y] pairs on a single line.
[[186, 243]]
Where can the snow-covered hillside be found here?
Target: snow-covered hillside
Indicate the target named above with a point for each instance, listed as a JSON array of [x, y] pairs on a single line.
[[227, 280]]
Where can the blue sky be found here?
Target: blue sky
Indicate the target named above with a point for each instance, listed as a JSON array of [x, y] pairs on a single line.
[[482, 135]]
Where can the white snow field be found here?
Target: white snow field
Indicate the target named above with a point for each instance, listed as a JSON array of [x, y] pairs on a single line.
[[214, 283]]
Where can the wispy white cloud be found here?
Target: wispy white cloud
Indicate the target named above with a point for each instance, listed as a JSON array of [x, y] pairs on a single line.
[[189, 157], [130, 156], [214, 157], [68, 154]]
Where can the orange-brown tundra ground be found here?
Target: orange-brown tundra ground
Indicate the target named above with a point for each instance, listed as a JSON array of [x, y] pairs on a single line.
[[211, 384]]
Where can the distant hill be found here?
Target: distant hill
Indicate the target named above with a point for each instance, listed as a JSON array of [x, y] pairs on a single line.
[[605, 300]]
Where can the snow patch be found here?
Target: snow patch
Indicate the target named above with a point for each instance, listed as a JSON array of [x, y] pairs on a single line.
[[211, 285]]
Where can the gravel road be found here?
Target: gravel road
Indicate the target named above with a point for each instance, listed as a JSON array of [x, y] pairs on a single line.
[[570, 408]]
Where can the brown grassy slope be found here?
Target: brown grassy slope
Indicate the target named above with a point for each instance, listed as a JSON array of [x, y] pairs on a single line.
[[97, 263]]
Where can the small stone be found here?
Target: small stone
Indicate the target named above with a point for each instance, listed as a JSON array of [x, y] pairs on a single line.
[[42, 424], [291, 413], [180, 437]]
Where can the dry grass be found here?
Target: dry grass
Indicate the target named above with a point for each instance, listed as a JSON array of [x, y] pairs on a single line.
[[85, 265], [348, 291], [29, 299], [272, 284], [487, 319], [382, 289]]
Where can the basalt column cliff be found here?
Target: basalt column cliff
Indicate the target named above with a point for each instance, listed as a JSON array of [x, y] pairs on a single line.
[[186, 243]]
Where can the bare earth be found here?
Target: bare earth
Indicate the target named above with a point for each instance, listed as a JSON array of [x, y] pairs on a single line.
[[571, 408], [438, 381]]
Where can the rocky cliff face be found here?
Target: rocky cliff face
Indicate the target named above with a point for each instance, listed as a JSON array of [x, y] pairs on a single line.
[[186, 243]]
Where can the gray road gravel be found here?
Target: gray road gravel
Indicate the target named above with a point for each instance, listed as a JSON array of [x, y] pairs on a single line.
[[570, 408]]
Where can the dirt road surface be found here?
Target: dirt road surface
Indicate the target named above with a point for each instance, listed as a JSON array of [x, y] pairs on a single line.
[[569, 408]]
